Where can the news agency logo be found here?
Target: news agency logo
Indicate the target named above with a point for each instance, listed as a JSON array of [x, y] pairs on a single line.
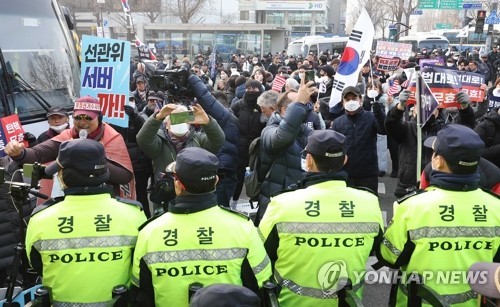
[[332, 276]]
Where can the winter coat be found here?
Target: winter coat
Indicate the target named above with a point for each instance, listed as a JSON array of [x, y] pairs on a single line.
[[361, 131], [489, 131], [282, 141], [228, 153], [154, 140]]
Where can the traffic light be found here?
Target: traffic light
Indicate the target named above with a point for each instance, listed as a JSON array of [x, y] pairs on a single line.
[[481, 16]]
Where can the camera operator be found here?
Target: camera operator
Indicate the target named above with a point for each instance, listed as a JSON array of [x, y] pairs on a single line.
[[83, 245], [162, 141]]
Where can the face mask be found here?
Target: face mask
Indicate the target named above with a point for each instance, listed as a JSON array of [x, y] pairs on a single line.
[[255, 62], [59, 128], [179, 129], [449, 64], [251, 96], [496, 92], [432, 165], [351, 105], [372, 93]]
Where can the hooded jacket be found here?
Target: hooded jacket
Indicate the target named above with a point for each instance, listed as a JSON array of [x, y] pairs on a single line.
[[489, 131]]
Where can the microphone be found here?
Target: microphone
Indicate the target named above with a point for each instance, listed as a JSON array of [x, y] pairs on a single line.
[[83, 134]]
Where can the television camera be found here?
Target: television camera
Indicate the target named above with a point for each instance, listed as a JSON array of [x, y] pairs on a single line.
[[174, 83]]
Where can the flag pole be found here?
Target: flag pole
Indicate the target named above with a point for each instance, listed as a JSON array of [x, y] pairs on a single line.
[[418, 111]]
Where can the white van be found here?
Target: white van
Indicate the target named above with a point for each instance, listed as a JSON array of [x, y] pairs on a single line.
[[317, 44], [425, 40]]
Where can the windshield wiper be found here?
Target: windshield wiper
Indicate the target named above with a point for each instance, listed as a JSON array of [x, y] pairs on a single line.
[[26, 87], [6, 81]]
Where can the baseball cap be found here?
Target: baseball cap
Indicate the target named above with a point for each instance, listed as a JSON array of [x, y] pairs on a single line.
[[491, 271], [88, 106], [225, 295], [326, 143], [141, 78], [458, 144], [85, 155], [196, 168], [155, 95], [57, 110], [351, 89]]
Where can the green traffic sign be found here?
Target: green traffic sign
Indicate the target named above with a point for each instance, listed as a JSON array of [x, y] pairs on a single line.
[[440, 4], [441, 26]]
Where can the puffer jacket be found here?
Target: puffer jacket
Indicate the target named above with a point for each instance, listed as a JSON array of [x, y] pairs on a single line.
[[153, 139], [490, 137], [228, 154], [250, 124], [282, 142], [361, 131]]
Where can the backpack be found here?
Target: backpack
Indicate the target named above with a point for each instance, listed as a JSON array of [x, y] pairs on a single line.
[[253, 177]]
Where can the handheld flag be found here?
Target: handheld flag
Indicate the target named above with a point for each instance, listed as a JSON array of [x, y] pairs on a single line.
[[125, 6], [464, 32], [356, 53]]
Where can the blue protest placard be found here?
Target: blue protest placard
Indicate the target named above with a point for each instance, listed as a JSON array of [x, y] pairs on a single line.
[[105, 75]]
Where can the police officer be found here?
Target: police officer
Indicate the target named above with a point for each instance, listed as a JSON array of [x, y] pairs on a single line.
[[447, 227], [82, 246], [321, 228], [196, 240]]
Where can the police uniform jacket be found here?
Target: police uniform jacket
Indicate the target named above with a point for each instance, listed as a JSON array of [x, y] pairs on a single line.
[[196, 241], [312, 232], [82, 246], [445, 229]]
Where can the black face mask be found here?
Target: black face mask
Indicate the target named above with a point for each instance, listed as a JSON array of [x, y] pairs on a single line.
[[251, 97]]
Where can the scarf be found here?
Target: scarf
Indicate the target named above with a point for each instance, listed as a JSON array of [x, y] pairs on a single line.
[[454, 182]]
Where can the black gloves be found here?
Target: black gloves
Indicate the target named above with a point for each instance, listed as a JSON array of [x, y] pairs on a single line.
[[130, 111]]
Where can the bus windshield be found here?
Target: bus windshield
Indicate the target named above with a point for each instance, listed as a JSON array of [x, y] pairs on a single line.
[[37, 49]]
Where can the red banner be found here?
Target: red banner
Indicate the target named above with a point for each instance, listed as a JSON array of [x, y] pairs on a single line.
[[11, 130]]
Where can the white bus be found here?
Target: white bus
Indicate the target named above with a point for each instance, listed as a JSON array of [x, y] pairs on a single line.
[[425, 40], [317, 44]]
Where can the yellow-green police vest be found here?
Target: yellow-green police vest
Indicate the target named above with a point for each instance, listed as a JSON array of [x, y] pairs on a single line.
[[448, 232], [323, 230], [207, 246], [85, 244]]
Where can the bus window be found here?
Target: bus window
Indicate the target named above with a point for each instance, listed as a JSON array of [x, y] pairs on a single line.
[[38, 49]]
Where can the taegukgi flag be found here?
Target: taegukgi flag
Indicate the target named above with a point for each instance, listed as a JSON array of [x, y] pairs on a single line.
[[356, 53]]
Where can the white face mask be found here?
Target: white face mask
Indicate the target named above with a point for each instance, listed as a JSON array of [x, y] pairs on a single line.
[[449, 64], [372, 93], [432, 164], [59, 128], [255, 61], [496, 92], [351, 105], [303, 165], [179, 129]]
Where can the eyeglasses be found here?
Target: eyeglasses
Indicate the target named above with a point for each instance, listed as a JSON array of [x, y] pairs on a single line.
[[80, 117]]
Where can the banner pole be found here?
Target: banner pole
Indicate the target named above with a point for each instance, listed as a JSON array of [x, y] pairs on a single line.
[[417, 111]]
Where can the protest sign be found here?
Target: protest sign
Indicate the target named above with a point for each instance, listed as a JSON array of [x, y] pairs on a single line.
[[391, 49], [105, 75], [10, 130]]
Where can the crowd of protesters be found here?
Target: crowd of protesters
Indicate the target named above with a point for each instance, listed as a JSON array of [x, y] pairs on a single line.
[[269, 98]]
